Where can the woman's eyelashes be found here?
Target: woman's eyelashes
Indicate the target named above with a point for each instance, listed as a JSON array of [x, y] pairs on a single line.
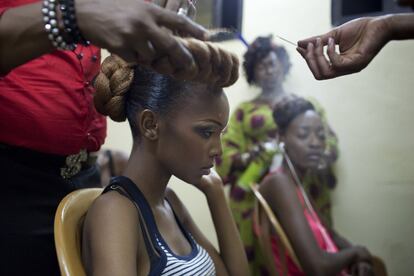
[[304, 134], [205, 132], [322, 135]]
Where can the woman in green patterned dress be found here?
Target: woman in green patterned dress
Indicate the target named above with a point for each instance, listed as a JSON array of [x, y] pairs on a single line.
[[247, 151]]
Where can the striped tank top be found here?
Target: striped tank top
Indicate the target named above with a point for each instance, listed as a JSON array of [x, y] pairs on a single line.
[[163, 261]]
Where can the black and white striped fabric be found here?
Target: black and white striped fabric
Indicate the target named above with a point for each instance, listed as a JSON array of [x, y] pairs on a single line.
[[198, 263], [163, 260]]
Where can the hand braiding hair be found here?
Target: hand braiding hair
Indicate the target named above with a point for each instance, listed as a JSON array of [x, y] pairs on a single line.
[[215, 66]]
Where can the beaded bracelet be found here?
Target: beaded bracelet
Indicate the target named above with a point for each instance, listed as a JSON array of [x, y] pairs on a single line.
[[68, 36], [67, 8], [52, 28]]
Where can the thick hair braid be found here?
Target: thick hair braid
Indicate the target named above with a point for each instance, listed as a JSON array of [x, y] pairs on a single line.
[[111, 85], [214, 66]]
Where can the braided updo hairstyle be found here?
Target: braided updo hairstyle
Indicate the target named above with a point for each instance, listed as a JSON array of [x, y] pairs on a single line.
[[258, 50], [285, 111], [122, 89]]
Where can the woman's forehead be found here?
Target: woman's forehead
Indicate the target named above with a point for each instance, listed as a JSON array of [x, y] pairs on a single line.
[[212, 106], [309, 117]]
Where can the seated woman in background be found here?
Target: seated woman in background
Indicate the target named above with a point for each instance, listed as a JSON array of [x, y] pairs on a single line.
[[111, 163], [139, 226], [320, 250], [245, 158]]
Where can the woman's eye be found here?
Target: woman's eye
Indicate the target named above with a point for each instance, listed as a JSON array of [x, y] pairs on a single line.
[[322, 136], [302, 135], [206, 133]]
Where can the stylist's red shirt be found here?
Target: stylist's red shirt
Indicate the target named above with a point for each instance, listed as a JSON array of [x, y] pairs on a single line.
[[47, 103]]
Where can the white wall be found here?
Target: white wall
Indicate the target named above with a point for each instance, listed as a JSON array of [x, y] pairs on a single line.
[[372, 114]]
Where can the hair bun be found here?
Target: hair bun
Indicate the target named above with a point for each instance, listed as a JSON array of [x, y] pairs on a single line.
[[111, 84]]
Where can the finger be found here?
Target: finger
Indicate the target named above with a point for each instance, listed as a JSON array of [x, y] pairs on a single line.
[[189, 73], [174, 5], [334, 57], [323, 64], [145, 51], [163, 66], [337, 62], [166, 44], [324, 37], [128, 56], [181, 24], [311, 61]]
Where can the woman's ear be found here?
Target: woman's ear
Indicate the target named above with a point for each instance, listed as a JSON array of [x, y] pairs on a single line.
[[148, 124]]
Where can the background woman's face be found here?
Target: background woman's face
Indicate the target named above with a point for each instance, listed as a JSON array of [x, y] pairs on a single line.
[[269, 71], [305, 140], [190, 139]]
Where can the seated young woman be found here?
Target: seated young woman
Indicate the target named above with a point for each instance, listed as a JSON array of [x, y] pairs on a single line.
[[139, 226], [319, 249]]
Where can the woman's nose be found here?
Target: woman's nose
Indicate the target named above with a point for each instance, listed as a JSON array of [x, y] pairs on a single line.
[[315, 141], [216, 149]]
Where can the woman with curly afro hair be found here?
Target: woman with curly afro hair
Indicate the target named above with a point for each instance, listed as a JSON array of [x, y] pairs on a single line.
[[246, 155]]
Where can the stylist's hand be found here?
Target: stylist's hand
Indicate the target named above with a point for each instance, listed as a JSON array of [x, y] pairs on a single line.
[[137, 32], [359, 42], [175, 5]]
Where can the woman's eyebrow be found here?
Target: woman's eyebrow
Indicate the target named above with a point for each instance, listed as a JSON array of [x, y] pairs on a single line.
[[212, 121]]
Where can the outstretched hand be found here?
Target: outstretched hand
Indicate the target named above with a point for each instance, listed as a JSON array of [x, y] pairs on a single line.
[[138, 31], [359, 42]]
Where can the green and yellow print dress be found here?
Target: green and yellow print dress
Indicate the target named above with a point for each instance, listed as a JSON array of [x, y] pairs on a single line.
[[250, 124]]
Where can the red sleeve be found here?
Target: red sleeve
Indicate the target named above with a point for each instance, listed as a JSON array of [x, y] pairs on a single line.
[[2, 10]]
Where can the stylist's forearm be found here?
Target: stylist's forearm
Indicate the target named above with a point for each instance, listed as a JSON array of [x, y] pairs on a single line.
[[401, 26], [22, 36], [231, 247]]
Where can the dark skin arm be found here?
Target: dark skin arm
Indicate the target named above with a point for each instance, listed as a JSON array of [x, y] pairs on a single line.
[[231, 259], [359, 41], [357, 268], [280, 192], [134, 30], [112, 239]]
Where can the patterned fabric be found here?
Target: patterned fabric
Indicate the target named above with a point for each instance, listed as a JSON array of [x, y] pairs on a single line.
[[251, 124]]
